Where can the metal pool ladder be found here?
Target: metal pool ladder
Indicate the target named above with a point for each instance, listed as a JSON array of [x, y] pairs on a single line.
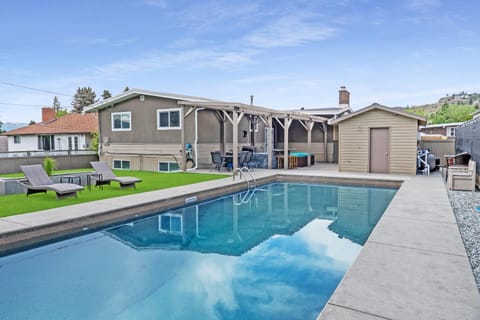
[[246, 174]]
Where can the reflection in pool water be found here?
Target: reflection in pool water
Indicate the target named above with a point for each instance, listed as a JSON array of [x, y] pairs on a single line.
[[281, 255]]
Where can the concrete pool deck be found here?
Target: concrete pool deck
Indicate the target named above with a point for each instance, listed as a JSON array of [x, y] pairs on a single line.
[[413, 266]]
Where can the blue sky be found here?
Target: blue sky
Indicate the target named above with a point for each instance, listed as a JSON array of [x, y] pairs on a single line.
[[288, 54]]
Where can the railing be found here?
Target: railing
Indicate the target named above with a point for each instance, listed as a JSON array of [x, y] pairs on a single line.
[[43, 153], [244, 197]]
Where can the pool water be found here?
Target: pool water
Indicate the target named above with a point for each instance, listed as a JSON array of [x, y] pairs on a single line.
[[278, 253]]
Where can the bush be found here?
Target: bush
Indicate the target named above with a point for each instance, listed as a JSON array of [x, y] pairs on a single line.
[[49, 164]]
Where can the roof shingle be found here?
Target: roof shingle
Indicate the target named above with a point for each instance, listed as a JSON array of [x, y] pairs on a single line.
[[69, 123]]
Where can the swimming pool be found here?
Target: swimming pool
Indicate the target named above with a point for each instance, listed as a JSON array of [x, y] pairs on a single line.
[[278, 253]]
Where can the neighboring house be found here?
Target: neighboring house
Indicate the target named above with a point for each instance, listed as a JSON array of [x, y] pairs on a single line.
[[3, 144], [72, 131], [378, 139], [443, 131], [148, 130]]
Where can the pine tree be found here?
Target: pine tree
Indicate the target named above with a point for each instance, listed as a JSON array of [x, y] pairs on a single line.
[[56, 104], [106, 94], [84, 97]]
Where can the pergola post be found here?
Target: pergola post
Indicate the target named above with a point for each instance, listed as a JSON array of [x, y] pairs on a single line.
[[325, 141], [286, 126], [183, 162], [235, 120], [269, 143], [310, 125]]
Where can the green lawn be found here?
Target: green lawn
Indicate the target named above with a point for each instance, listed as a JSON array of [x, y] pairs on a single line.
[[19, 203]]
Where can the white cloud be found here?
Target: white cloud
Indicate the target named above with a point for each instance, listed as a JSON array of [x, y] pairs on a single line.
[[290, 30]]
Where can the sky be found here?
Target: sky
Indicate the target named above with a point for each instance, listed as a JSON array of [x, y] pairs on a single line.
[[287, 53]]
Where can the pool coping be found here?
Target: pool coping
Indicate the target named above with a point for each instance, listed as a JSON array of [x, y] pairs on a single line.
[[396, 258]]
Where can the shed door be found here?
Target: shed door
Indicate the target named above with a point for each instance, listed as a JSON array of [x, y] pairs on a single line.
[[379, 150]]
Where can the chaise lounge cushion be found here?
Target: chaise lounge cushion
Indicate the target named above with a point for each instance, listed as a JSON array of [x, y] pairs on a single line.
[[39, 181], [107, 175]]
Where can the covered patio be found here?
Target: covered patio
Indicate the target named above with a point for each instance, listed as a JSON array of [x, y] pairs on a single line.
[[230, 114]]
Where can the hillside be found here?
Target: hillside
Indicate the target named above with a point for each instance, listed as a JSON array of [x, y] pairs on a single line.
[[451, 108]]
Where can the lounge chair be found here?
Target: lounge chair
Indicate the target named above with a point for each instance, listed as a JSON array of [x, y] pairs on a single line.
[[39, 181], [106, 176]]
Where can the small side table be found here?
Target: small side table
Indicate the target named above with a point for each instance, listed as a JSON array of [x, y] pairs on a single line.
[[96, 176], [71, 179]]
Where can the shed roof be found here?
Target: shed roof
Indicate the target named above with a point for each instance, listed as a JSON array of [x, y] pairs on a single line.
[[69, 123], [377, 106]]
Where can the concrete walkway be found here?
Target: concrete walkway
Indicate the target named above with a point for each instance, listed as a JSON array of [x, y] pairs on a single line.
[[413, 266]]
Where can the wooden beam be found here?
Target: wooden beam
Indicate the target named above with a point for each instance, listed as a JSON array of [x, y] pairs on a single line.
[[235, 139], [288, 122], [324, 125], [270, 143], [190, 110], [309, 141]]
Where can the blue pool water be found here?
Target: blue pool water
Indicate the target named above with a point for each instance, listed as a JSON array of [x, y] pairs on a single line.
[[278, 254]]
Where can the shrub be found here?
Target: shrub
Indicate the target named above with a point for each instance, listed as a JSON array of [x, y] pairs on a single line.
[[49, 164]]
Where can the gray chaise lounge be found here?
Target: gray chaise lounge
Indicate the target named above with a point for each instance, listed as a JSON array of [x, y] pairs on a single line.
[[39, 181], [106, 176]]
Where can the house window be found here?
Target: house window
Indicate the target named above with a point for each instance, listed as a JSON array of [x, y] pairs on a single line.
[[121, 164], [171, 223], [168, 166], [46, 143], [168, 119], [73, 143], [16, 139], [451, 132], [121, 121]]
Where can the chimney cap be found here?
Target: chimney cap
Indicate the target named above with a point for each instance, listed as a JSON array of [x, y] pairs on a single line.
[[343, 88]]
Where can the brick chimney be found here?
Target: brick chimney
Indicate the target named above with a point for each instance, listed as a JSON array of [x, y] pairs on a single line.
[[48, 114], [343, 96]]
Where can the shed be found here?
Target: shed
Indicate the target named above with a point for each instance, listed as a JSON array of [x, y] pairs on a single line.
[[378, 139]]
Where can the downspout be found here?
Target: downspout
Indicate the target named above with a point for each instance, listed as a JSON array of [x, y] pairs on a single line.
[[195, 143]]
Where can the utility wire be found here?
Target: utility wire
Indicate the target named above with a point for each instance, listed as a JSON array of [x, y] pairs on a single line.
[[22, 105], [35, 89]]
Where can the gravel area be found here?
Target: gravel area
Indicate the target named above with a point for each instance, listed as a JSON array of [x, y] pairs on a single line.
[[468, 220]]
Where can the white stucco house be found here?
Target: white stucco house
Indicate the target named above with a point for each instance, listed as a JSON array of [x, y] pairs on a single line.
[[71, 132]]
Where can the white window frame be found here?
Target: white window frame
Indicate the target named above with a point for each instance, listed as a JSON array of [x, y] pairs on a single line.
[[121, 164], [121, 114], [170, 215], [179, 110], [169, 164], [451, 131]]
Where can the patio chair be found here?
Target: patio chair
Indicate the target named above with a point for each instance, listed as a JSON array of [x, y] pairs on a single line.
[[39, 181], [217, 161], [105, 175], [243, 158], [463, 179]]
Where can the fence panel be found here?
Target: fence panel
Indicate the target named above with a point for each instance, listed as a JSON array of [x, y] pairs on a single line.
[[439, 149], [10, 163], [468, 140]]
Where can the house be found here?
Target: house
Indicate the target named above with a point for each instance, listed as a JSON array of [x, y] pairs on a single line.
[[72, 131], [149, 130], [378, 139], [443, 131]]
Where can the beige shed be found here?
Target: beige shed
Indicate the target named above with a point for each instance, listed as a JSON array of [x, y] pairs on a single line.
[[378, 139]]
